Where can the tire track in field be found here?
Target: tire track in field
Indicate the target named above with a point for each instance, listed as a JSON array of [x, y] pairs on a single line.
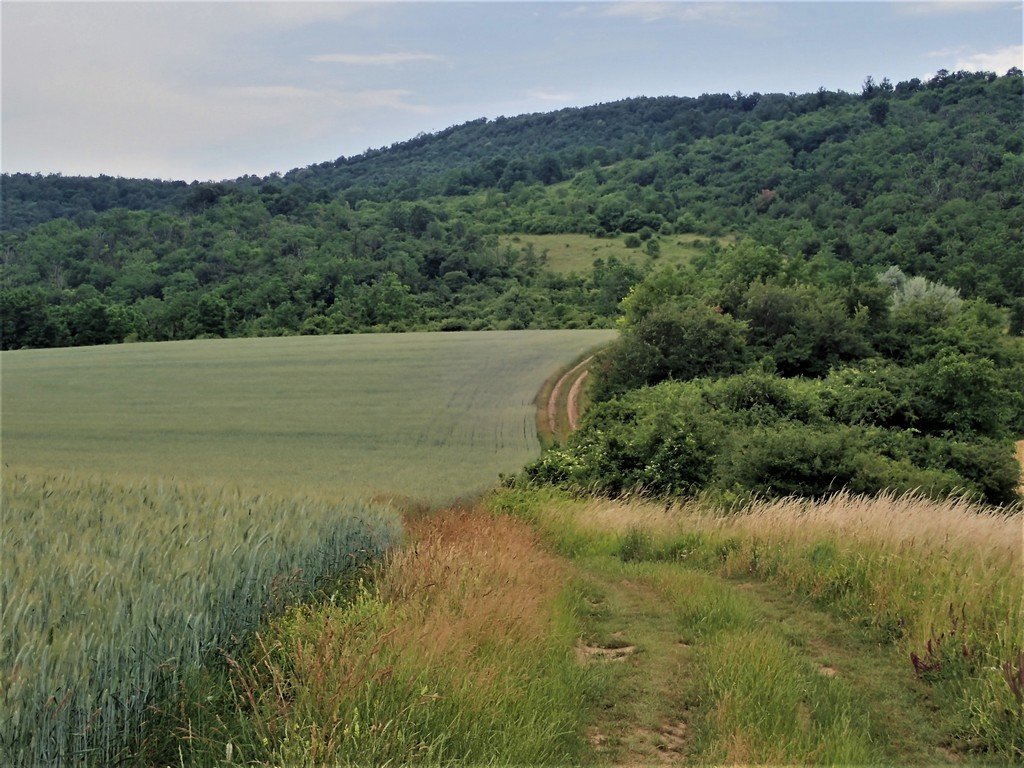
[[572, 404], [572, 407]]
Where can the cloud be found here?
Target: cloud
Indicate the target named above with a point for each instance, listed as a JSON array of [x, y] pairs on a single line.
[[374, 59], [542, 94], [728, 13], [946, 7], [998, 61]]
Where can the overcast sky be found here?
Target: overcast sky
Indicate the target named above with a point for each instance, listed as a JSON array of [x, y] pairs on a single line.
[[198, 90]]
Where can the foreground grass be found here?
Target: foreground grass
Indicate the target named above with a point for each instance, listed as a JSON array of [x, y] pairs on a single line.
[[767, 681], [459, 651], [430, 415]]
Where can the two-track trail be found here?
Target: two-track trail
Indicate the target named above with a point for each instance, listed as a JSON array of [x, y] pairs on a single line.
[[564, 402], [663, 639]]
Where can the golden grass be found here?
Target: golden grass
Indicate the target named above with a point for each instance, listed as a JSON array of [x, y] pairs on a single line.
[[468, 580], [916, 557], [907, 523], [1020, 458], [459, 651]]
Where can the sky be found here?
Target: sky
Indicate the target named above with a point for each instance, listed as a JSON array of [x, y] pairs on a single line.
[[201, 90]]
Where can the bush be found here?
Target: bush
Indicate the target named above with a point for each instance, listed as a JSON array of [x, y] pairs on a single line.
[[761, 434], [673, 343]]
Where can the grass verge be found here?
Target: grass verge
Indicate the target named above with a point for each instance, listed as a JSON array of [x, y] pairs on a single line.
[[460, 650]]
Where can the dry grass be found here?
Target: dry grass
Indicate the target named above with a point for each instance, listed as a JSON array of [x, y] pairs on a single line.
[[921, 555], [470, 579], [1020, 458], [461, 651]]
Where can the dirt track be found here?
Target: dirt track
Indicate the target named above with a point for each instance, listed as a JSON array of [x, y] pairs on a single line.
[[572, 406], [577, 375]]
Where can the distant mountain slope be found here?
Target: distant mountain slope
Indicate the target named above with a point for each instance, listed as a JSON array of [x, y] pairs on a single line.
[[477, 154], [421, 235], [30, 199]]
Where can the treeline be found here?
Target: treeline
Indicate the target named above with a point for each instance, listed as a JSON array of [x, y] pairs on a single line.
[[237, 269], [31, 199], [751, 374], [925, 176]]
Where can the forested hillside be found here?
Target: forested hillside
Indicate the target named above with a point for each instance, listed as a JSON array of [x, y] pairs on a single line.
[[923, 176]]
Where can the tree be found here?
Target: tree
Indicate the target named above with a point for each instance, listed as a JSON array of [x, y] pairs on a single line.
[[677, 343], [27, 321]]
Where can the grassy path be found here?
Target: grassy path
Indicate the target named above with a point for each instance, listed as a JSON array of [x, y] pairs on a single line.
[[700, 669]]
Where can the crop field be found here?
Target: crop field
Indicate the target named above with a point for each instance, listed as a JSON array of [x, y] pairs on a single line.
[[161, 500], [430, 416], [576, 253], [111, 592]]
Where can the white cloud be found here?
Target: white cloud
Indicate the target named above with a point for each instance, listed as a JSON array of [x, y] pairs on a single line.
[[962, 58], [728, 13], [945, 7], [374, 59], [998, 61]]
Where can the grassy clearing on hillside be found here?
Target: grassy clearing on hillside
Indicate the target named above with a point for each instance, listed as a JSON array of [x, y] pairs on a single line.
[[460, 651], [111, 593], [576, 253], [430, 415], [939, 580]]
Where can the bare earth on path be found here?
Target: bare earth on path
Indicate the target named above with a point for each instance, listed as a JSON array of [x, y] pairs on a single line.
[[573, 380], [573, 406]]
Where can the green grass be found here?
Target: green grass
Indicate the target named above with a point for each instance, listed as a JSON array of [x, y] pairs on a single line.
[[429, 416], [459, 652], [782, 632], [576, 252]]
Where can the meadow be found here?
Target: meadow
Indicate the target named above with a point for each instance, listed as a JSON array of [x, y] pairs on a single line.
[[429, 416], [572, 252]]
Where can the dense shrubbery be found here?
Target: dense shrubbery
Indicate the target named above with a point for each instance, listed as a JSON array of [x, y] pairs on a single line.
[[759, 433], [886, 383]]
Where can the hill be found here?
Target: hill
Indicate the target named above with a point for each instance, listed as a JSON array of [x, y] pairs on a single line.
[[922, 175]]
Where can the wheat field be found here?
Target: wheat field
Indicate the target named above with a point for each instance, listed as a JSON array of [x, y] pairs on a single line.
[[431, 415]]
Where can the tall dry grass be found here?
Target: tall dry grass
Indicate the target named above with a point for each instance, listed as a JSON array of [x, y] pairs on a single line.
[[460, 651]]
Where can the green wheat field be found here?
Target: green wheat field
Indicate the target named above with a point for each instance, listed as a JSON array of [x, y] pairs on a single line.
[[427, 415]]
